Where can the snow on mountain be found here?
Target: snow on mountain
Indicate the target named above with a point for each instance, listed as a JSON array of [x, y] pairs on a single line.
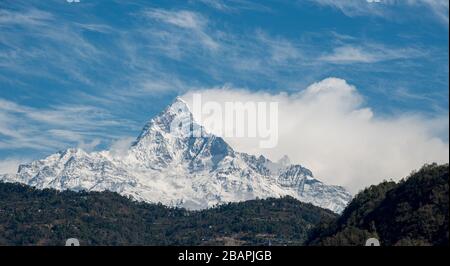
[[164, 165]]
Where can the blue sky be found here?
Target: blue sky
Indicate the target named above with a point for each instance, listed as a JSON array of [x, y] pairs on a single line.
[[87, 74]]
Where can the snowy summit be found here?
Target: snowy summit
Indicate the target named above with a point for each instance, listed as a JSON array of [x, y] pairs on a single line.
[[178, 170]]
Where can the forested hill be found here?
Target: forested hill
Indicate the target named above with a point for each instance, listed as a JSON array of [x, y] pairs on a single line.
[[414, 211], [47, 217]]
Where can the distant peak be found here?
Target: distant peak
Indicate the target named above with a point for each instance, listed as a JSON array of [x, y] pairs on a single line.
[[174, 114], [179, 102], [284, 160], [178, 107], [179, 99]]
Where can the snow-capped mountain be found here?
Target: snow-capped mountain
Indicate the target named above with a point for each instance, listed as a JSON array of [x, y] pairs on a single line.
[[179, 170]]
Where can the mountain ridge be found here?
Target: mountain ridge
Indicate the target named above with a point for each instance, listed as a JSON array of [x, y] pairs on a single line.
[[166, 165], [30, 216]]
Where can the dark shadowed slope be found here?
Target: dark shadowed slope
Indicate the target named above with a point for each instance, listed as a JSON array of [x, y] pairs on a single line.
[[30, 216], [413, 212]]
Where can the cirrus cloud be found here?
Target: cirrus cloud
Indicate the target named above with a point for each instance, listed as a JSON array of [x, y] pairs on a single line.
[[383, 8]]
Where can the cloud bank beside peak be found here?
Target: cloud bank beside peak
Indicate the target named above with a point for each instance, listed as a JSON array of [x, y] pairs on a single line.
[[328, 128]]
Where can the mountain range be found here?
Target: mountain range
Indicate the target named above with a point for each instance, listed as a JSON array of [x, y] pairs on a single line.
[[193, 172]]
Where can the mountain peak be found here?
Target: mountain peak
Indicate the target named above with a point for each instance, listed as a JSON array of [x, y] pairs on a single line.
[[178, 99], [169, 166], [178, 106], [169, 121]]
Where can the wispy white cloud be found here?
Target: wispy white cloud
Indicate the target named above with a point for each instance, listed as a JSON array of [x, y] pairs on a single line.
[[439, 8], [33, 17], [157, 34], [355, 7], [349, 54], [55, 127], [281, 50], [217, 4], [184, 19], [234, 5], [183, 35], [369, 53], [59, 43]]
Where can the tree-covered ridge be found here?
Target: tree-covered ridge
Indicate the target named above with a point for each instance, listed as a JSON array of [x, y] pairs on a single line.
[[48, 217], [414, 211]]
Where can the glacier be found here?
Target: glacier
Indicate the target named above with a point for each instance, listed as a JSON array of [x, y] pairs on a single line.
[[178, 170]]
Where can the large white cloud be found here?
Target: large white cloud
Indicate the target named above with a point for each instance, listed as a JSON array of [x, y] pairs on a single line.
[[328, 128]]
